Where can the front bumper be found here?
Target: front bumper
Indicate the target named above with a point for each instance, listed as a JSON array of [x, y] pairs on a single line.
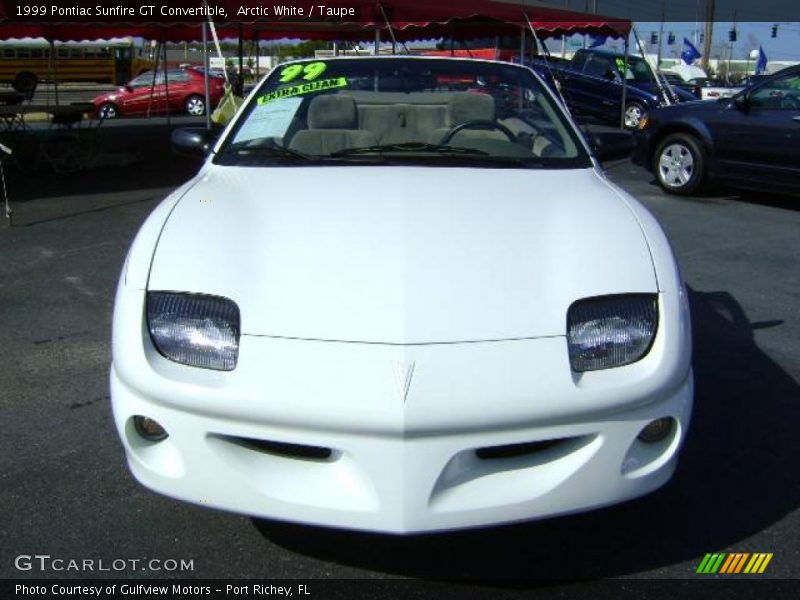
[[400, 484], [418, 436]]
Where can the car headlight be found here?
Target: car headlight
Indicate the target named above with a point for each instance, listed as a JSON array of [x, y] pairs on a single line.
[[610, 331], [195, 330]]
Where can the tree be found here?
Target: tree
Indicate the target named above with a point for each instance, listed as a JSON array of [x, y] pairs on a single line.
[[307, 48]]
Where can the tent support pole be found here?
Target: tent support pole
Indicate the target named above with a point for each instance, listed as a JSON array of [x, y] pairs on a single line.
[[625, 83], [206, 83], [153, 83], [53, 70], [389, 27], [659, 85], [7, 202], [257, 48], [546, 58], [240, 79], [166, 82], [377, 40]]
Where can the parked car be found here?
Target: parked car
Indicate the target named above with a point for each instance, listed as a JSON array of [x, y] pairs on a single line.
[[714, 89], [220, 73], [749, 141], [676, 81], [591, 84], [401, 311], [140, 96]]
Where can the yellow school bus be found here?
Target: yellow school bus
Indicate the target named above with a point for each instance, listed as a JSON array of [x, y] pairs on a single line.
[[24, 63]]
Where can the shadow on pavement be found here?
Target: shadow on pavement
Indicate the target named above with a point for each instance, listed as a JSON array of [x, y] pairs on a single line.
[[128, 160], [720, 194], [738, 475], [773, 200]]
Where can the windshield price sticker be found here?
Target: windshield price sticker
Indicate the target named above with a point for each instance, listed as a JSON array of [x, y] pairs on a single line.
[[269, 120], [310, 72], [304, 88]]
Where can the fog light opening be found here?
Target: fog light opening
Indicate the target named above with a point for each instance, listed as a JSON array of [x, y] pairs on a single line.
[[657, 430], [149, 429]]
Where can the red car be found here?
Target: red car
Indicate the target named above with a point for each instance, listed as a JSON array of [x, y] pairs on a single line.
[[186, 95]]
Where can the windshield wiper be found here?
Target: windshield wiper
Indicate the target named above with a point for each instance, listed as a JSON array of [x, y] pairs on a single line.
[[410, 147], [474, 156], [244, 150]]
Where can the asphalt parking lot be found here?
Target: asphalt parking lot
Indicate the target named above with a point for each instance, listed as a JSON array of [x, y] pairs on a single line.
[[65, 489]]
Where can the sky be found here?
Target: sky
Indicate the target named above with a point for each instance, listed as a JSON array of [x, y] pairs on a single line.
[[786, 46], [755, 20]]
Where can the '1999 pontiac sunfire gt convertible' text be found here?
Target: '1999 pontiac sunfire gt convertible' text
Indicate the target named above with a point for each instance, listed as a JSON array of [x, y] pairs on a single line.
[[401, 296]]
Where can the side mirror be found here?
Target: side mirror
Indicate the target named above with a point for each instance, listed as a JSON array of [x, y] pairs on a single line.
[[193, 141], [612, 145], [128, 87]]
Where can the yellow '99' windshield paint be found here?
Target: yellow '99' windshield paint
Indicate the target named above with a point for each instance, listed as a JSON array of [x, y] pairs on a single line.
[[310, 71]]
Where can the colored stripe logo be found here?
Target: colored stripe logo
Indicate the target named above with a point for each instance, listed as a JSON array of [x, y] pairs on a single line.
[[735, 563]]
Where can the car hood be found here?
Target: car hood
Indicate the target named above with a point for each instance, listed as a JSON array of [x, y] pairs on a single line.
[[682, 94], [403, 255], [696, 108]]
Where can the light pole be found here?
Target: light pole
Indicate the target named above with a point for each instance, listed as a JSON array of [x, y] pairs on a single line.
[[709, 32]]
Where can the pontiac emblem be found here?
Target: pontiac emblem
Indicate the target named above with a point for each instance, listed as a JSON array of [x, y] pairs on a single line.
[[403, 373]]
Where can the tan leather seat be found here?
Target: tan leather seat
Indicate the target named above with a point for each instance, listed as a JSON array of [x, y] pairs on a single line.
[[332, 127], [401, 123]]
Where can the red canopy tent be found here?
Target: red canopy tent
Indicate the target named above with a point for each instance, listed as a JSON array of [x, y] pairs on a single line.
[[404, 20], [349, 20]]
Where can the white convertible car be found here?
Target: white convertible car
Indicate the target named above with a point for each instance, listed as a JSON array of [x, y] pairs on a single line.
[[401, 296]]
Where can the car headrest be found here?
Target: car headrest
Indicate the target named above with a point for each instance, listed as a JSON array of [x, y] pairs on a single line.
[[469, 106], [332, 112]]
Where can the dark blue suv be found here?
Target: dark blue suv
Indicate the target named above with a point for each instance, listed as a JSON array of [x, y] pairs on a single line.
[[592, 84], [750, 141]]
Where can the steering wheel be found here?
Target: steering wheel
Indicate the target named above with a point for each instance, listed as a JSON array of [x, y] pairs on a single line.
[[478, 124]]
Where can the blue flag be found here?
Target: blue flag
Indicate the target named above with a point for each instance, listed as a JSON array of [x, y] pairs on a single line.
[[598, 40], [690, 53], [761, 65]]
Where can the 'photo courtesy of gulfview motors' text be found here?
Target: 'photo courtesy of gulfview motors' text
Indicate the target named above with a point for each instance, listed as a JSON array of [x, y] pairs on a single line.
[[425, 294]]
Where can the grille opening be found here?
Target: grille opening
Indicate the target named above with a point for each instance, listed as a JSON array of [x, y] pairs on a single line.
[[286, 449], [517, 450]]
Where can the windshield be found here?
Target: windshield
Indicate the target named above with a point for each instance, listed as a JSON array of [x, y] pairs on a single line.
[[637, 71], [431, 112]]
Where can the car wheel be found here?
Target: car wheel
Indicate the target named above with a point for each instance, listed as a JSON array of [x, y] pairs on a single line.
[[634, 113], [680, 164], [108, 110], [195, 106], [25, 83]]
